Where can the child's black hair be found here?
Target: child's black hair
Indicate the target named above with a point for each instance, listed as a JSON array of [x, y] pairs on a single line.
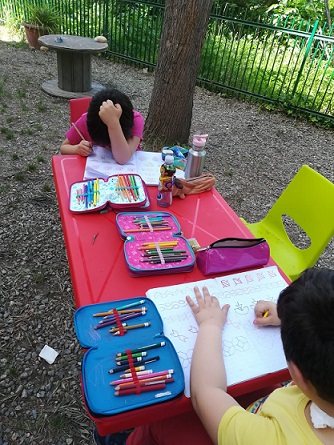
[[97, 129], [306, 310]]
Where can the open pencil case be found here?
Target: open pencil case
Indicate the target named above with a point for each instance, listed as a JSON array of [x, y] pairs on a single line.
[[117, 191], [154, 244], [103, 346]]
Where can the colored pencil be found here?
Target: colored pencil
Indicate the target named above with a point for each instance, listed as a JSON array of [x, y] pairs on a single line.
[[120, 308], [151, 374], [78, 131], [126, 392], [116, 331], [154, 229], [135, 355], [125, 368], [143, 361], [143, 383], [142, 348]]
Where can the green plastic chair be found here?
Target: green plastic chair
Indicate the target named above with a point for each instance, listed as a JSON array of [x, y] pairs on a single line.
[[309, 201]]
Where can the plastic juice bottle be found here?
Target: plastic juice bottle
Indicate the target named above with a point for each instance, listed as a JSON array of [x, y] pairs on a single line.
[[166, 182]]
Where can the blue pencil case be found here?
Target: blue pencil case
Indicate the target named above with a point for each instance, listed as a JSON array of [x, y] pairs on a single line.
[[99, 364], [167, 250]]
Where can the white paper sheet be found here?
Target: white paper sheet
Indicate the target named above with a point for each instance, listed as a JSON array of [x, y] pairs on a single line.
[[248, 351], [102, 164]]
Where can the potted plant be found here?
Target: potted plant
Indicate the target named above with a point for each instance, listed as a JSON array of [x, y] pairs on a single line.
[[40, 20]]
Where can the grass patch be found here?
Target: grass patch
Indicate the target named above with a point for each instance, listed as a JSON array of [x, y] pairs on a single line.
[[20, 176], [7, 132]]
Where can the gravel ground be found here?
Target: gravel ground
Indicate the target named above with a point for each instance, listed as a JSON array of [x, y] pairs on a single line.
[[252, 152]]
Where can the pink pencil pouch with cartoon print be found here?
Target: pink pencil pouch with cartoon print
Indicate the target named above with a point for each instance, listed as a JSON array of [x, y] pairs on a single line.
[[228, 254]]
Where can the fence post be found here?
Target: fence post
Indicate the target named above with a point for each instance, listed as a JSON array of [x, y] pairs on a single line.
[[308, 48]]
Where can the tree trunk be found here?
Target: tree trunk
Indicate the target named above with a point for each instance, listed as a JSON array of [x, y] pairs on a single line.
[[328, 14], [170, 111]]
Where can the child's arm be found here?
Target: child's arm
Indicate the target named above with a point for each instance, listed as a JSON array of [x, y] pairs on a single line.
[[84, 148], [208, 376], [122, 149]]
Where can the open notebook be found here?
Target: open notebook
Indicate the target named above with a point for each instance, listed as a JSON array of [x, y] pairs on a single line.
[[249, 351], [101, 164]]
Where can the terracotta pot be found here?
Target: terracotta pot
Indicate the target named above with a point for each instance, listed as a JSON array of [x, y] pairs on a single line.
[[32, 34]]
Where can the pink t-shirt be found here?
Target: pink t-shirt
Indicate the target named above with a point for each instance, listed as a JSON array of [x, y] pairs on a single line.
[[81, 124]]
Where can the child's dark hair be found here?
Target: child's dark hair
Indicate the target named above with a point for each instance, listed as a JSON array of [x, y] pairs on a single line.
[[306, 310], [97, 129]]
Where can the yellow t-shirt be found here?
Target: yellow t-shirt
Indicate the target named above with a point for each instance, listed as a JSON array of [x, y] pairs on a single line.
[[280, 422]]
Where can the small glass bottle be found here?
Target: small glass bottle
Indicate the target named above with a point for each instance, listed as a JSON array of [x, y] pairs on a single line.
[[166, 182], [196, 157]]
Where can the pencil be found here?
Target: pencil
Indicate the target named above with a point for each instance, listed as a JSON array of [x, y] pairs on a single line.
[[142, 348], [135, 355], [116, 331], [147, 230], [144, 383], [120, 308], [126, 392], [148, 375], [143, 361], [125, 368], [78, 131], [265, 315]]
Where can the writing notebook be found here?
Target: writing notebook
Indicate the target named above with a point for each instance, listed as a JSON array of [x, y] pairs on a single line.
[[101, 164], [249, 351]]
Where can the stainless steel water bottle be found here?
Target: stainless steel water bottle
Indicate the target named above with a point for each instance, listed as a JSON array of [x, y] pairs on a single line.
[[196, 156]]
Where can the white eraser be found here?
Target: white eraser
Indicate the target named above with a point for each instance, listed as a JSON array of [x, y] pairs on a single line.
[[48, 354]]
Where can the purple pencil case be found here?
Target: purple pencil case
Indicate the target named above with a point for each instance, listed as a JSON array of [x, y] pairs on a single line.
[[146, 236], [228, 254]]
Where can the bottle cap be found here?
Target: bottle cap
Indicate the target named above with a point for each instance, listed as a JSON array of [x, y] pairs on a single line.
[[169, 159], [199, 140]]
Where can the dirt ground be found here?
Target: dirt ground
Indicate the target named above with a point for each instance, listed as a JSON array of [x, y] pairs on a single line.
[[253, 153]]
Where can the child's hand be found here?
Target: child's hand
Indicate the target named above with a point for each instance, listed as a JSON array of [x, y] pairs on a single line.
[[84, 148], [110, 113], [207, 309], [266, 314]]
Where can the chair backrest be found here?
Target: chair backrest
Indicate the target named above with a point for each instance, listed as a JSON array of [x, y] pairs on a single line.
[[78, 107], [309, 201]]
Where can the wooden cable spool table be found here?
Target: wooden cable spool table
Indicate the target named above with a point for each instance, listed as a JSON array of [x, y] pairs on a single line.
[[74, 65]]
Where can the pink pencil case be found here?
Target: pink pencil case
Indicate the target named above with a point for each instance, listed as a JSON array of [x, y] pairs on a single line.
[[118, 191], [157, 231], [230, 254]]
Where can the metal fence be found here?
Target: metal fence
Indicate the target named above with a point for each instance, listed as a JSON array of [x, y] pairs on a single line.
[[269, 58]]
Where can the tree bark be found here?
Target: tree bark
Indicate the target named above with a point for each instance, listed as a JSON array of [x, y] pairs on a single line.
[[170, 111], [328, 14]]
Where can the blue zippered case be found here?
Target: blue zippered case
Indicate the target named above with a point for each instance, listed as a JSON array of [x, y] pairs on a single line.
[[102, 347]]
